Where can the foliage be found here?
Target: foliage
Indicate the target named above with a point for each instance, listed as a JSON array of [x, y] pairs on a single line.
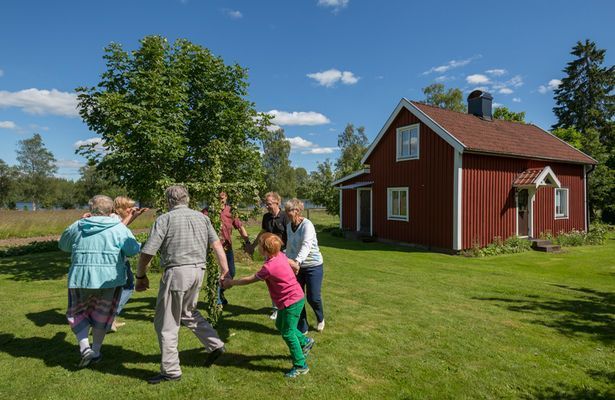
[[585, 102], [8, 182], [597, 235], [353, 144], [451, 99], [321, 188], [279, 174], [36, 164], [30, 248], [513, 244], [176, 114], [571, 136], [505, 114], [302, 180], [95, 181]]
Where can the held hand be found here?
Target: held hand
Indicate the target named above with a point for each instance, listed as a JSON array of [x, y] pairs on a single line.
[[86, 215], [294, 266], [142, 285], [248, 248], [227, 283]]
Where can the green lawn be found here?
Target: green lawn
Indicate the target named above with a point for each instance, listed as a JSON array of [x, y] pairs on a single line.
[[400, 325]]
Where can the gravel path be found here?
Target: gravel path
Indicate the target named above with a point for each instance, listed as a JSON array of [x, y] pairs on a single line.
[[22, 241]]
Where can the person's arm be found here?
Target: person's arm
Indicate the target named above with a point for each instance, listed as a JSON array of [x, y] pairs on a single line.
[[294, 266], [68, 238], [221, 257], [246, 280], [133, 214], [142, 282]]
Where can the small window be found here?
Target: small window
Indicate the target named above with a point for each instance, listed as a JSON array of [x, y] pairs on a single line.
[[561, 203], [397, 199], [408, 142]]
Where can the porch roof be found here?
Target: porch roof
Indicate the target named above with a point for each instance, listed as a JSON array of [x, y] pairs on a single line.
[[356, 185], [535, 177]]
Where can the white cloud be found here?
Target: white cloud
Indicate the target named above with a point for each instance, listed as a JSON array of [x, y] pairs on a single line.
[[298, 142], [69, 164], [7, 125], [233, 14], [332, 76], [552, 85], [496, 72], [477, 79], [517, 99], [444, 78], [505, 90], [98, 142], [335, 4], [273, 127], [450, 65], [39, 101], [298, 118], [496, 105], [321, 150], [515, 81]]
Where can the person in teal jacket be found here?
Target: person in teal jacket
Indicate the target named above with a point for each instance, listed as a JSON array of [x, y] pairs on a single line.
[[97, 273]]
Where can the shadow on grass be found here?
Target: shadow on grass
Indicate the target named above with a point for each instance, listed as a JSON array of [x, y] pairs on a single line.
[[227, 323], [328, 240], [588, 312], [36, 267], [567, 392]]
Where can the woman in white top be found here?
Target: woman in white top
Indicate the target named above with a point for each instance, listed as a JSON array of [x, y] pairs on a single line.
[[304, 255]]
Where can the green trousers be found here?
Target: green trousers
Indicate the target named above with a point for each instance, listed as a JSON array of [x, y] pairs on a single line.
[[286, 322]]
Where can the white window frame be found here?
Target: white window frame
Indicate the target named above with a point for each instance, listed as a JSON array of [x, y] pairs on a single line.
[[566, 213], [390, 215], [398, 155]]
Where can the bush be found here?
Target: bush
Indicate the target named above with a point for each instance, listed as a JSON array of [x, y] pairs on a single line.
[[597, 235], [513, 244], [155, 264]]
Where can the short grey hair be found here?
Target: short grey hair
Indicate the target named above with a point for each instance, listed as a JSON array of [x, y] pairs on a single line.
[[294, 204], [101, 205], [177, 195]]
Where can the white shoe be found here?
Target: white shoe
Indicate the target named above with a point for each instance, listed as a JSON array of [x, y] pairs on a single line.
[[321, 326], [274, 314]]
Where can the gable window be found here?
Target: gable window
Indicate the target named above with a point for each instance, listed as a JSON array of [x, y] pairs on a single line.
[[561, 203], [397, 200], [408, 142]]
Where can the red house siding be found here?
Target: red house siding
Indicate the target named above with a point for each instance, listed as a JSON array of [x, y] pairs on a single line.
[[430, 183], [488, 198], [349, 208]]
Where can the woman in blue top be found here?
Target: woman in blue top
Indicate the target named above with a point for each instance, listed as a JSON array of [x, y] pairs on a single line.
[[304, 255], [97, 273]]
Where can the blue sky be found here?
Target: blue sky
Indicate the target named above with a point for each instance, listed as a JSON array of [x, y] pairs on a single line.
[[315, 64]]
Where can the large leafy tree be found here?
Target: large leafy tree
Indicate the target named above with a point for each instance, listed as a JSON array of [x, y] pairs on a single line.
[[321, 189], [8, 183], [585, 103], [279, 174], [505, 114], [451, 99], [176, 114], [93, 181], [353, 144], [36, 165]]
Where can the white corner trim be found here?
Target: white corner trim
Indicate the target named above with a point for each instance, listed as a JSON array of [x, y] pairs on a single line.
[[585, 197], [350, 176], [341, 208], [457, 200], [424, 118]]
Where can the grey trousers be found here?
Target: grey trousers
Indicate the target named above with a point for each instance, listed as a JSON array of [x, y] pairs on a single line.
[[176, 304]]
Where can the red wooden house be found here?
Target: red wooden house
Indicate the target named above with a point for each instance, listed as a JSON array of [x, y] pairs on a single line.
[[447, 180]]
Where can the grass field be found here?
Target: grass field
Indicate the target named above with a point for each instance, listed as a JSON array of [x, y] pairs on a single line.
[[400, 325]]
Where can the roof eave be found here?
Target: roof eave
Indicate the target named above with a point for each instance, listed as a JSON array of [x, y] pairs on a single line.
[[531, 157]]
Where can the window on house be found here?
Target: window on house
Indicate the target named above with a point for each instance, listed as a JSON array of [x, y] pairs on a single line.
[[408, 142], [397, 203], [561, 203]]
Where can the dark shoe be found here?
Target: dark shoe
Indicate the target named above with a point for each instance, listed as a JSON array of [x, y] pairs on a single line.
[[86, 357], [214, 355], [154, 380], [308, 346]]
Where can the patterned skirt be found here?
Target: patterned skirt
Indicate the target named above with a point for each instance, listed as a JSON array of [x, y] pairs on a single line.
[[92, 307]]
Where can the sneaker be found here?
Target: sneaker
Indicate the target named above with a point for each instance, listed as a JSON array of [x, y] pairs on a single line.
[[154, 380], [214, 355], [321, 326], [296, 371], [274, 314], [87, 357], [308, 346]]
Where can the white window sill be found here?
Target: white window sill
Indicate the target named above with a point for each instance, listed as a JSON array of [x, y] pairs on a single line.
[[392, 218]]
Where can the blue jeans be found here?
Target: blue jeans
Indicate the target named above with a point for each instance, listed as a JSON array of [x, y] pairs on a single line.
[[230, 260], [310, 279]]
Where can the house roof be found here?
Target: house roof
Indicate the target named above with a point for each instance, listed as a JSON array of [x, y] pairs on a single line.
[[350, 176], [468, 133], [534, 177]]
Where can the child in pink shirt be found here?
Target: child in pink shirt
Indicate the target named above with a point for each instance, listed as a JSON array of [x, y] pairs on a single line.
[[286, 294]]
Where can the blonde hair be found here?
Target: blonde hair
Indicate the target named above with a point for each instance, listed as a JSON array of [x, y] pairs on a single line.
[[122, 204], [273, 195], [270, 244], [294, 204]]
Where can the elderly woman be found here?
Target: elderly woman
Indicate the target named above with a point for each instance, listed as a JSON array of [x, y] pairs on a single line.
[[97, 273], [304, 256]]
